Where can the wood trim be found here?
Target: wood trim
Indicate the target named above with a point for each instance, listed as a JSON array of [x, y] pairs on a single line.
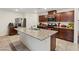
[[53, 42]]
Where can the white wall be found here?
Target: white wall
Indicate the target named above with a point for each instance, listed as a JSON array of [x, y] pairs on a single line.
[[45, 13], [5, 18], [31, 19], [76, 25], [65, 10]]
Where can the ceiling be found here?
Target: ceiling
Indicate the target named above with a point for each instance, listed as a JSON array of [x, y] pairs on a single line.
[[30, 10]]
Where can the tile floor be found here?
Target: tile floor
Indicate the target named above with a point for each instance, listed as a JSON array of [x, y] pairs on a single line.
[[6, 43], [62, 45]]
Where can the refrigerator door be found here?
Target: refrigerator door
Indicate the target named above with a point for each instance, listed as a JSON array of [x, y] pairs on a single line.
[[20, 22], [24, 22]]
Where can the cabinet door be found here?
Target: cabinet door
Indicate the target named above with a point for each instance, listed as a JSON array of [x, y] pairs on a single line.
[[57, 34], [69, 35], [62, 34], [51, 14], [42, 18], [66, 34], [67, 16], [63, 17], [70, 16], [12, 31], [58, 17]]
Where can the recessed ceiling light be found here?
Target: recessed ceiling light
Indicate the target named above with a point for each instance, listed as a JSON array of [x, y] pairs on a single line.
[[45, 8], [35, 11], [21, 8], [16, 10]]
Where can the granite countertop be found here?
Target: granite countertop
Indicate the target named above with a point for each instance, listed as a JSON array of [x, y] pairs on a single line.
[[58, 27], [40, 34], [64, 28]]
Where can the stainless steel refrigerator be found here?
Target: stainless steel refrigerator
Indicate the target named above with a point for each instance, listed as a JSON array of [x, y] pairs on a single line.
[[20, 22]]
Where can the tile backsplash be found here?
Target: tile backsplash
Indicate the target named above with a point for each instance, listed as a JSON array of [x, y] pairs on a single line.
[[62, 23]]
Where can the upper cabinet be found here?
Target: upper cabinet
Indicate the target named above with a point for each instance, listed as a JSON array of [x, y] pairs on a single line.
[[42, 18], [65, 16], [58, 17], [51, 14], [49, 17]]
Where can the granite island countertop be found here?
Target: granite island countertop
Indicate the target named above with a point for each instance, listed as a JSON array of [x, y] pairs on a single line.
[[40, 34]]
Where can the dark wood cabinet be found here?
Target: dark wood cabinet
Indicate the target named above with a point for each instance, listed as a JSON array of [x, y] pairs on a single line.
[[62, 33], [12, 31], [65, 34], [65, 16], [42, 18], [58, 17], [57, 34], [69, 35], [51, 14]]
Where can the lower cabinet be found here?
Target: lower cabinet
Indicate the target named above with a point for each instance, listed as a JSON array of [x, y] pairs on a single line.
[[57, 34], [65, 34], [62, 33], [69, 35], [12, 31]]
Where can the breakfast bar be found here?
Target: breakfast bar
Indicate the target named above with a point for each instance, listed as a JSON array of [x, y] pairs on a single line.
[[38, 39]]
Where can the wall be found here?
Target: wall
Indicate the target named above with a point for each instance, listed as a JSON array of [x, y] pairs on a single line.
[[65, 10], [31, 20], [5, 18], [76, 25], [45, 13]]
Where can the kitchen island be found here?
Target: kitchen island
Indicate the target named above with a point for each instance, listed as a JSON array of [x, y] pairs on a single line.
[[38, 39]]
